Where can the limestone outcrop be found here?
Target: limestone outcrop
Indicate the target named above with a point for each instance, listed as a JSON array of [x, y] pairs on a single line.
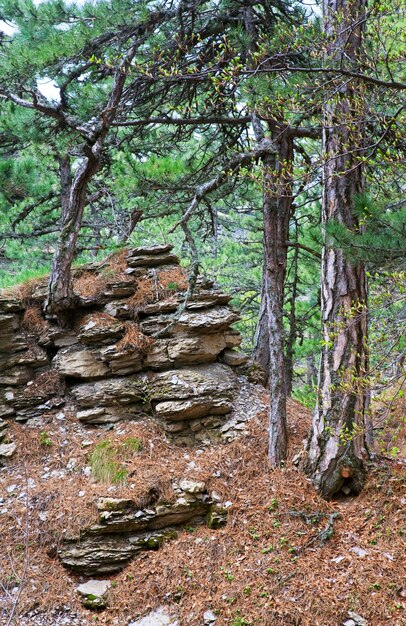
[[135, 347], [123, 530]]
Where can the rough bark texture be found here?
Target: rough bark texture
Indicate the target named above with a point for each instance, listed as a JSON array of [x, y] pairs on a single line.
[[336, 449], [261, 341], [277, 211], [61, 299], [292, 334]]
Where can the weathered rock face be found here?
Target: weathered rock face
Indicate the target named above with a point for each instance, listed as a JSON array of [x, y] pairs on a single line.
[[128, 353], [7, 448], [123, 530], [80, 363]]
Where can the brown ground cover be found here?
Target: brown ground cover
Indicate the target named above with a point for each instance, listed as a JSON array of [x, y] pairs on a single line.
[[286, 557]]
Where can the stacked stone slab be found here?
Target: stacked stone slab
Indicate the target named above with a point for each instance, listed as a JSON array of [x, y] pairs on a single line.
[[123, 530], [186, 376]]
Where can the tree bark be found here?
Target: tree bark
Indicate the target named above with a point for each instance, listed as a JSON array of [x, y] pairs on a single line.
[[292, 334], [311, 371], [60, 298], [336, 448], [277, 206], [66, 183], [260, 352]]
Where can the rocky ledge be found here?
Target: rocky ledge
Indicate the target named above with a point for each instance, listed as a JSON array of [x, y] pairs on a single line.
[[135, 347], [123, 530]]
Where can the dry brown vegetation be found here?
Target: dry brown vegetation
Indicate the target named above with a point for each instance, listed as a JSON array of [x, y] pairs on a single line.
[[172, 279], [24, 291], [134, 339], [88, 284], [274, 562], [116, 263], [91, 283], [164, 284], [46, 383], [33, 321], [144, 294]]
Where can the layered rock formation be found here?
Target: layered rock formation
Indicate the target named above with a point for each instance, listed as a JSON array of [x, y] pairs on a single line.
[[123, 530], [135, 347]]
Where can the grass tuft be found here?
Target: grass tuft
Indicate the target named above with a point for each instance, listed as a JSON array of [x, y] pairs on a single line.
[[106, 460]]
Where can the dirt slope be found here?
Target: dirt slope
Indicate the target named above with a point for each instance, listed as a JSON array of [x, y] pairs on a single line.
[[285, 558]]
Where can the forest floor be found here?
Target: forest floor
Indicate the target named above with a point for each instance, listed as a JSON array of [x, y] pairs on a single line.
[[286, 557]]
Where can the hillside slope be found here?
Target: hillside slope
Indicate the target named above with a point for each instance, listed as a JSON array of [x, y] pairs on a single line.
[[285, 556]]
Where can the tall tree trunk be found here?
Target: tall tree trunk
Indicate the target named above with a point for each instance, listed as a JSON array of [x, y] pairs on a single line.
[[311, 370], [66, 183], [260, 352], [292, 334], [277, 208], [336, 448], [60, 297]]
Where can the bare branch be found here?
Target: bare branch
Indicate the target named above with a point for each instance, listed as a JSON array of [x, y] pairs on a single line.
[[231, 168]]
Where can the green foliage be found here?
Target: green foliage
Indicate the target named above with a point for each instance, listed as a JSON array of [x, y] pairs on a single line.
[[106, 460], [381, 234], [45, 439], [131, 445], [306, 395], [228, 575], [10, 279]]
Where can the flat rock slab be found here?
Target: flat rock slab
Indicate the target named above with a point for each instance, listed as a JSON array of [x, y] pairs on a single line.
[[147, 260], [125, 390], [150, 250], [192, 409], [159, 617], [122, 362], [10, 303], [114, 504], [183, 350], [215, 380], [234, 358], [80, 363], [100, 555], [123, 530], [100, 331], [208, 321], [95, 593], [19, 375], [101, 415]]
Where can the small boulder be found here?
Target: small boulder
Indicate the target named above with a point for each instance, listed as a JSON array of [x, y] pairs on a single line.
[[114, 504], [3, 426], [192, 486], [7, 450], [217, 517], [95, 593], [355, 620]]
